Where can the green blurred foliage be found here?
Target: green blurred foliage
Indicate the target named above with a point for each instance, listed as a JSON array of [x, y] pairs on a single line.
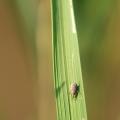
[[95, 22], [92, 18]]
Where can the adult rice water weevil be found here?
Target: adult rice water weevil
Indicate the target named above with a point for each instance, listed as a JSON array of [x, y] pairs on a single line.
[[74, 89]]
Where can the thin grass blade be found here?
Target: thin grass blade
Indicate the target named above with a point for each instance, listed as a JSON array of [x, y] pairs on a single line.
[[66, 61]]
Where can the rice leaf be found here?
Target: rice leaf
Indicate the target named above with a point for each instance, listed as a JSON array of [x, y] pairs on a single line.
[[66, 62]]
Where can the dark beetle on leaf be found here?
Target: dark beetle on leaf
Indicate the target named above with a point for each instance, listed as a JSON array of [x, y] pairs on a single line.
[[74, 89]]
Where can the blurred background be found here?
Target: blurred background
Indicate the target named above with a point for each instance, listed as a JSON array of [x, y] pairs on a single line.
[[26, 84], [26, 81], [98, 25]]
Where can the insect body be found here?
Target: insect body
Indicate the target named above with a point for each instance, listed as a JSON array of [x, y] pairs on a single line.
[[74, 89]]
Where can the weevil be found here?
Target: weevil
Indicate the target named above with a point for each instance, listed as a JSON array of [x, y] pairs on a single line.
[[74, 89]]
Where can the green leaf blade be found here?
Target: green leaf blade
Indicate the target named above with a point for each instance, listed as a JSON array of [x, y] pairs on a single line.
[[66, 60]]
